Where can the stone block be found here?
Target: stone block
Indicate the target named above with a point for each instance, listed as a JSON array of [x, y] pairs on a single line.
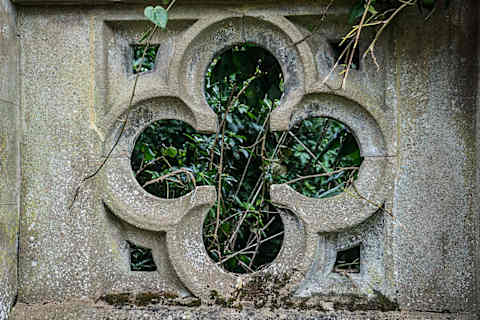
[[9, 157], [435, 252], [8, 52]]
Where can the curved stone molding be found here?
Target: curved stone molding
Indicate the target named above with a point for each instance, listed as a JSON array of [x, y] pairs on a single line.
[[342, 211], [365, 128], [122, 193], [357, 203], [203, 276], [208, 38], [203, 117]]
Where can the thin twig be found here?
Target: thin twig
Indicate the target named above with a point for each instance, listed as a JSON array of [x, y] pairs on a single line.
[[171, 5], [317, 27], [324, 82], [306, 149], [173, 173], [246, 248], [259, 139], [148, 164], [257, 248], [355, 44], [387, 22], [321, 174], [220, 165], [216, 134]]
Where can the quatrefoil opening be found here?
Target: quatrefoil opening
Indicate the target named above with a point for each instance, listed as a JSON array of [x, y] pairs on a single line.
[[182, 218], [317, 157]]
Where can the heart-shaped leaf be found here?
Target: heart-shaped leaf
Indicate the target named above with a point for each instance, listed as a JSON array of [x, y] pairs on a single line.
[[157, 15]]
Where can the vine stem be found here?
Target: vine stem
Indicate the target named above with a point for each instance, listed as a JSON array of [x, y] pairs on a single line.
[[122, 128], [124, 124], [320, 174], [222, 148], [173, 173], [248, 247]]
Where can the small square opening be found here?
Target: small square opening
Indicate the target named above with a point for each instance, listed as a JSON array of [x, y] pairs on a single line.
[[144, 57], [348, 261], [141, 259]]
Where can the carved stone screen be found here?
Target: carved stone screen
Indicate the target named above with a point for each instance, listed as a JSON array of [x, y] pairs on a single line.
[[408, 222]]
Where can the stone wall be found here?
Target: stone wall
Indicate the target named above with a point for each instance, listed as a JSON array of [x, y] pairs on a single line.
[[436, 99], [415, 121], [9, 159]]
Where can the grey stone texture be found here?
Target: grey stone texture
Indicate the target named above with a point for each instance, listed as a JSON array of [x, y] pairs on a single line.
[[9, 157], [434, 188], [83, 310], [415, 121]]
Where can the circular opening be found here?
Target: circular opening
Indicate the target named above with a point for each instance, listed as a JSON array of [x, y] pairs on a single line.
[[169, 158], [319, 158]]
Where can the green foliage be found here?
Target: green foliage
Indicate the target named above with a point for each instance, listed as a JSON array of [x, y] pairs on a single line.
[[158, 15], [314, 147], [246, 217], [167, 146], [243, 86], [144, 58]]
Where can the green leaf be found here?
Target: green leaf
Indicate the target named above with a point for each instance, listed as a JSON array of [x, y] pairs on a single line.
[[356, 12], [149, 155], [172, 152], [157, 15], [372, 10]]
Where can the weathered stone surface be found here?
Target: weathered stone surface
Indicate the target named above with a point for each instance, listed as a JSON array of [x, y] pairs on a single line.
[[415, 123], [476, 194], [9, 157], [79, 250], [435, 97], [84, 310]]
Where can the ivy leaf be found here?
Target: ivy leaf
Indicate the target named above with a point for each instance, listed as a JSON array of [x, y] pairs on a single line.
[[172, 152], [149, 155], [157, 15], [356, 12]]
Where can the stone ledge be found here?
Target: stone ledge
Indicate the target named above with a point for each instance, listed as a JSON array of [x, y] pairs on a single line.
[[83, 310], [143, 2]]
